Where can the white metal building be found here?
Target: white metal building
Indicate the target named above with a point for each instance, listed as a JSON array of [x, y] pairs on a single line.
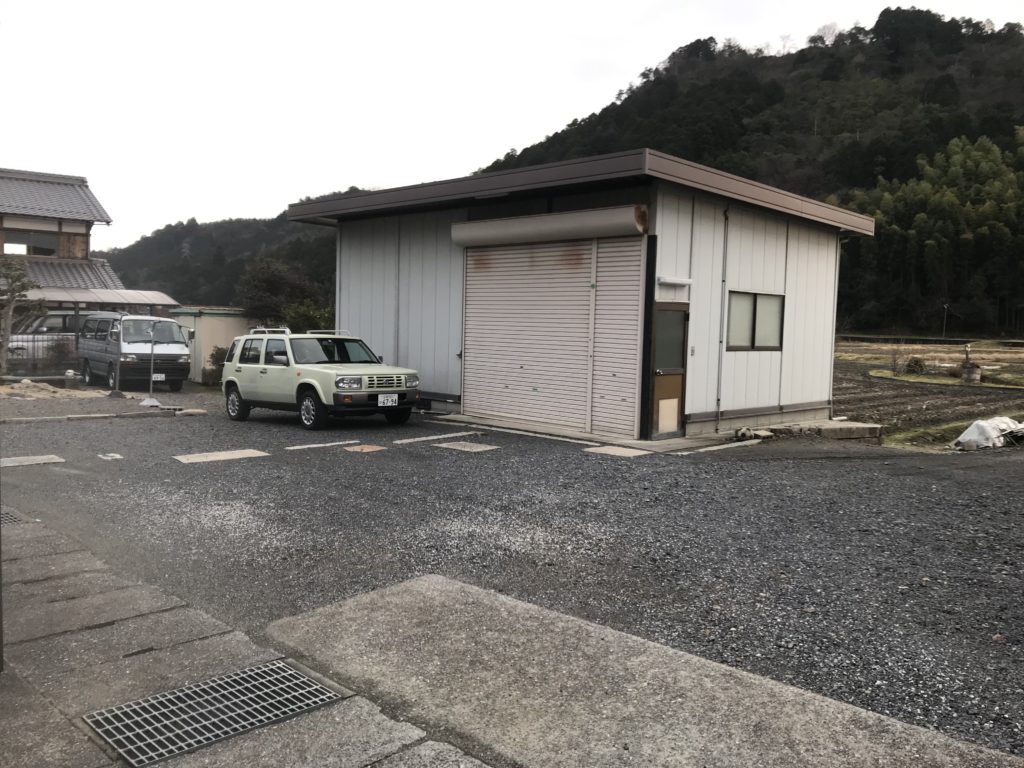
[[631, 295]]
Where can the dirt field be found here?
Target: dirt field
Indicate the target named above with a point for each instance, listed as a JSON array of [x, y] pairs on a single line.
[[918, 413]]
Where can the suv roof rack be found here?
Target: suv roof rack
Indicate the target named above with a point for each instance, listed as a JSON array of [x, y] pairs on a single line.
[[284, 330], [327, 332]]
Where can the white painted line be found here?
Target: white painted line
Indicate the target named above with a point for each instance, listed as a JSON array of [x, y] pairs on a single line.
[[199, 458], [722, 447], [433, 437], [25, 461], [365, 448], [110, 456], [318, 445], [467, 447], [524, 432], [617, 450]]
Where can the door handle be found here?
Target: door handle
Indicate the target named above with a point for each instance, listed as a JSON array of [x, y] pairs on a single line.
[[238, 370], [263, 370]]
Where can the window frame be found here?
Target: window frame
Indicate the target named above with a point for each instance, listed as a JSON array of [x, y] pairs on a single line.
[[268, 353], [258, 342], [753, 347], [35, 241]]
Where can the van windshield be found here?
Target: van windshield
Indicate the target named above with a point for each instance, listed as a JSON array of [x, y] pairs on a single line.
[[164, 331]]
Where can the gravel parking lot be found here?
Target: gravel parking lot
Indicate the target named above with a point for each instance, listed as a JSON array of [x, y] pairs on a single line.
[[886, 579]]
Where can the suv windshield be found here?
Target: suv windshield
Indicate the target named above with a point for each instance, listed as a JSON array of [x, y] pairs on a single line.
[[331, 350], [164, 331]]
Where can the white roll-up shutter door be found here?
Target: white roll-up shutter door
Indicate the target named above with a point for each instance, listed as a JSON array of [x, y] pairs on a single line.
[[615, 400], [527, 332], [553, 334]]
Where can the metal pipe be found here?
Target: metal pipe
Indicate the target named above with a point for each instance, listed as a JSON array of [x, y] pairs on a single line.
[[152, 354], [721, 321]]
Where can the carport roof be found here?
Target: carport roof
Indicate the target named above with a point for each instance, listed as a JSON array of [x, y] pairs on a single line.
[[636, 165]]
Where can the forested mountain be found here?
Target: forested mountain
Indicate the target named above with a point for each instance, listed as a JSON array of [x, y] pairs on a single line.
[[912, 121]]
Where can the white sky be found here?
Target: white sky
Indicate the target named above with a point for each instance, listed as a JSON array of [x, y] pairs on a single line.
[[228, 109]]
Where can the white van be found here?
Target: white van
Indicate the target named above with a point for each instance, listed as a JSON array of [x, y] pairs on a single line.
[[118, 347]]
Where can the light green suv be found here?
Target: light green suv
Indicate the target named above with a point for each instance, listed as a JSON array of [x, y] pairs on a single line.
[[318, 374]]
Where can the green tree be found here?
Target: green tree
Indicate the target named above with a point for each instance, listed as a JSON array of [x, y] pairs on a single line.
[[267, 286], [307, 315], [953, 237], [14, 287]]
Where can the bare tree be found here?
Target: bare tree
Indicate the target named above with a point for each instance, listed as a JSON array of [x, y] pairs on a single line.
[[828, 32], [14, 288]]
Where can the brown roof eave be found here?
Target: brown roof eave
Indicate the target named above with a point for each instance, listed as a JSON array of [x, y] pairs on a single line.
[[482, 187], [642, 163], [727, 185]]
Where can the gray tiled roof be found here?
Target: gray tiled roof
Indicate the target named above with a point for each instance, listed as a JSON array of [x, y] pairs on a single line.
[[26, 193], [73, 273]]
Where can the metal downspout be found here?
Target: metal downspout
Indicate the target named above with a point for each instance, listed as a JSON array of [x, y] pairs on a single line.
[[721, 322], [337, 275], [835, 317]]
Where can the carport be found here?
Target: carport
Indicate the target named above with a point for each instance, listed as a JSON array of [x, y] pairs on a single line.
[[633, 295]]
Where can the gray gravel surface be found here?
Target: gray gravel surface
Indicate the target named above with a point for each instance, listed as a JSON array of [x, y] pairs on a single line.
[[885, 579]]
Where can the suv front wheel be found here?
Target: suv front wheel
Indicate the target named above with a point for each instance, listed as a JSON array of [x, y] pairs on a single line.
[[312, 412], [237, 408]]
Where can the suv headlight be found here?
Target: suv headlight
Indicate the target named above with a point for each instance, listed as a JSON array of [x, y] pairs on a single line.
[[183, 358], [412, 380], [129, 359], [348, 382]]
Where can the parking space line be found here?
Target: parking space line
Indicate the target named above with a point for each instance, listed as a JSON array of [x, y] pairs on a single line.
[[25, 461], [618, 450], [110, 456], [199, 458], [433, 437], [319, 445], [523, 432], [722, 447], [467, 447]]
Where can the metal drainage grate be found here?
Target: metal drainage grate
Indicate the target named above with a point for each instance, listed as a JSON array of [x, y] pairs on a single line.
[[168, 724], [9, 518]]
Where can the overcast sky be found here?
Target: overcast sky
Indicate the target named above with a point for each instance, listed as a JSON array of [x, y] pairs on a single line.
[[221, 109]]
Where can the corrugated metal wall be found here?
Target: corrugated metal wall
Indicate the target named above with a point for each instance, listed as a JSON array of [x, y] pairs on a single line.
[[767, 254], [755, 263], [400, 288], [809, 332]]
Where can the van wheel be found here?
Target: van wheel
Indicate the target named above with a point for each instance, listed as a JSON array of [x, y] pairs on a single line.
[[174, 385], [237, 408], [312, 413], [86, 372], [111, 377], [398, 417]]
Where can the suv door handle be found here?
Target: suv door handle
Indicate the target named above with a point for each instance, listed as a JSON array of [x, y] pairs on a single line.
[[263, 370]]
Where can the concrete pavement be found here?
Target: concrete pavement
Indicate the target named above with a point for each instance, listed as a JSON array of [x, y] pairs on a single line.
[[81, 637], [526, 686]]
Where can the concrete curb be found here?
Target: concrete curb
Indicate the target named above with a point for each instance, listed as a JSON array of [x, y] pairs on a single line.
[[125, 415]]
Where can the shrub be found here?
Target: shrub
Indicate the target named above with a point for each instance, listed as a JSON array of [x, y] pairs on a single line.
[[217, 357], [915, 365]]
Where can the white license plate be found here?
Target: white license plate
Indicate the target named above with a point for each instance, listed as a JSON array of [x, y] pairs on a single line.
[[159, 377], [383, 400]]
